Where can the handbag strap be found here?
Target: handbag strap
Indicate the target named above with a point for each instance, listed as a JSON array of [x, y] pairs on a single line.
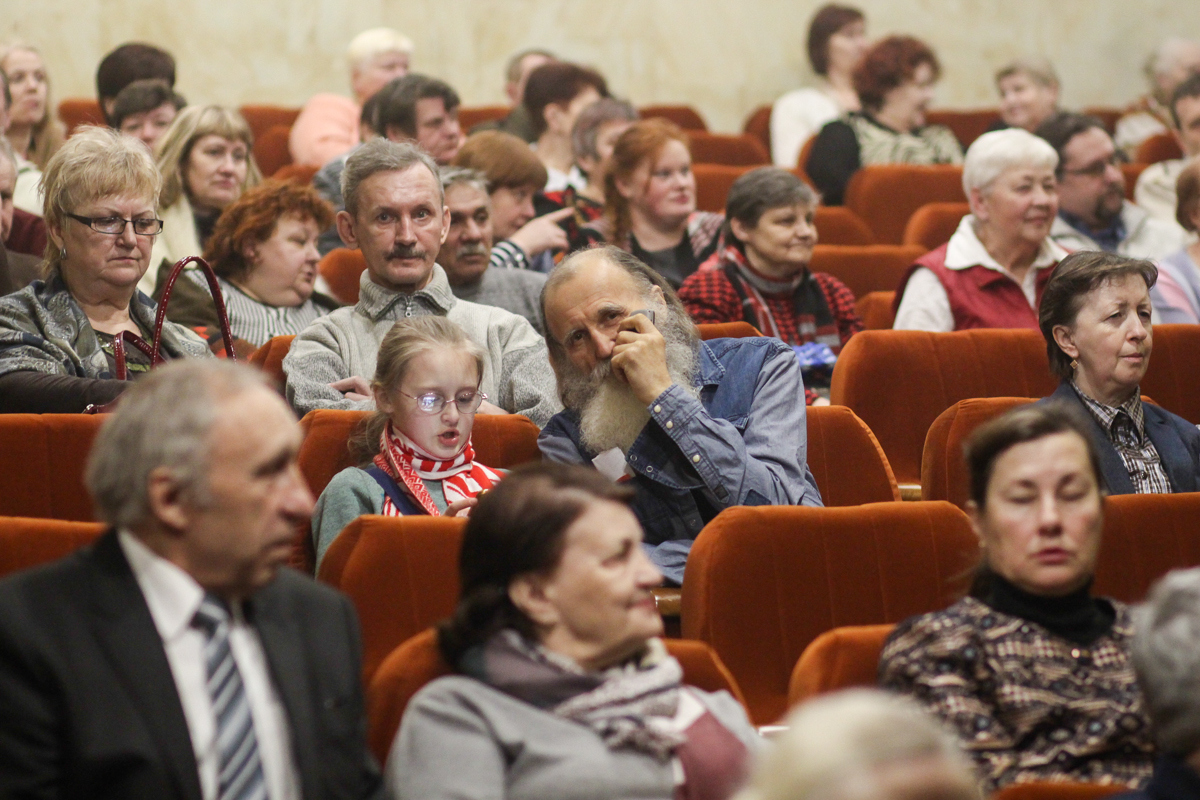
[[218, 300], [119, 352]]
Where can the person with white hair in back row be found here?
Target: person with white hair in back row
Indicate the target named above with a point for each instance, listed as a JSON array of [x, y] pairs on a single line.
[[328, 123], [991, 272]]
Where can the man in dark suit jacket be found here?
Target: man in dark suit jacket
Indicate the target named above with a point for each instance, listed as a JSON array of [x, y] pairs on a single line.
[[112, 682]]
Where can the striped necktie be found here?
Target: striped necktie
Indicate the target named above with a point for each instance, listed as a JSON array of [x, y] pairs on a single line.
[[239, 767]]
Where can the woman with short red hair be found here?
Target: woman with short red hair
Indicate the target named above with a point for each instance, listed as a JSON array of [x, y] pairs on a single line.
[[650, 202], [895, 83], [264, 251]]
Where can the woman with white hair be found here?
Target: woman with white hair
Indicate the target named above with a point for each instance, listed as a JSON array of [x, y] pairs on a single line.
[[991, 272], [328, 123], [862, 744]]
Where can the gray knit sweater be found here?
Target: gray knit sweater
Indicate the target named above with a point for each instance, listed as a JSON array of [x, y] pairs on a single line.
[[516, 370], [515, 290]]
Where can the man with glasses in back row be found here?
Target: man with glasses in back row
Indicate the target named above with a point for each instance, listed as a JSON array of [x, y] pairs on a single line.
[[1093, 213]]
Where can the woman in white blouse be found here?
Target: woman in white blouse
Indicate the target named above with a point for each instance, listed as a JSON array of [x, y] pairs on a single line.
[[837, 40]]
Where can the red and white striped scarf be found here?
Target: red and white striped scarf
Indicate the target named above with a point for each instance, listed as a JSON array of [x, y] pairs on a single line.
[[462, 476]]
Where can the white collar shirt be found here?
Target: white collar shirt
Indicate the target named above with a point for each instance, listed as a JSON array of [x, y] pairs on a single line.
[[173, 597]]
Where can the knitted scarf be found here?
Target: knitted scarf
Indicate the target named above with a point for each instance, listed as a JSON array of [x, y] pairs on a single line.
[[405, 463], [628, 705], [813, 320]]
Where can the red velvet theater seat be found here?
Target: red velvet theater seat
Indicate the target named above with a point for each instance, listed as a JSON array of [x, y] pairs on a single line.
[[26, 542], [42, 458], [838, 659]]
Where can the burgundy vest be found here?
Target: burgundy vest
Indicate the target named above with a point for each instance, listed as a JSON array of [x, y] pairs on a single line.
[[980, 297]]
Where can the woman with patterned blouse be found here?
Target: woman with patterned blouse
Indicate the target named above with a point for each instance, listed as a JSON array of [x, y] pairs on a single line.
[[1030, 670]]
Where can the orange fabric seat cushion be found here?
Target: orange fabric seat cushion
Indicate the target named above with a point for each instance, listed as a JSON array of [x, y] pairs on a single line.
[[866, 268], [1145, 537], [27, 542], [846, 459], [838, 659], [943, 472], [1058, 791], [875, 310], [42, 458], [886, 195]]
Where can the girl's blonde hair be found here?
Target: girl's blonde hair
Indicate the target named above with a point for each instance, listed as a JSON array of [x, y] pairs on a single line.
[[408, 339], [189, 126], [48, 132]]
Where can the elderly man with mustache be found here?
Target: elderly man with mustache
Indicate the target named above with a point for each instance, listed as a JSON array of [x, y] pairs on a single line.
[[466, 254], [694, 427], [396, 215]]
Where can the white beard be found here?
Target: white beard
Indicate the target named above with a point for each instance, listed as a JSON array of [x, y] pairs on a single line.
[[612, 417]]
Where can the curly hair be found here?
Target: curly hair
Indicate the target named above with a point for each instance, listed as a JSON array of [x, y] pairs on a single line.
[[253, 217], [889, 64]]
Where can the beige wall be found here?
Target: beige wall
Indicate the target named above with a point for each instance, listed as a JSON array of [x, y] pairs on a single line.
[[725, 57]]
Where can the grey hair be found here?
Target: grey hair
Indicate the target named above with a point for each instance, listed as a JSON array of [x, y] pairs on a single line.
[[836, 743], [163, 420], [1038, 68], [993, 154], [462, 176], [593, 118], [1170, 52], [381, 155], [1166, 657]]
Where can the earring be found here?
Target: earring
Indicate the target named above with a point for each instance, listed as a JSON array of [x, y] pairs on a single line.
[[62, 253], [1074, 364]]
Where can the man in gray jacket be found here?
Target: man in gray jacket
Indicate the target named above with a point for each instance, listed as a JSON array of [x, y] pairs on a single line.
[[396, 215]]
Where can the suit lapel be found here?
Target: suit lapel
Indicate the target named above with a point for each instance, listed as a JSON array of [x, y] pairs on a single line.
[[1113, 468], [283, 641], [126, 632], [1171, 451]]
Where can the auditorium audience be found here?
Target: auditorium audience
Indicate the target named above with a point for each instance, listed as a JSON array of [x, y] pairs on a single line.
[[415, 450], [1093, 213], [1173, 62], [27, 192], [562, 686], [518, 122], [132, 61], [1155, 191], [596, 131], [328, 124], [992, 271], [34, 130], [206, 162], [650, 203], [264, 252], [514, 175], [466, 254], [1176, 295], [694, 426], [1028, 89], [555, 94], [145, 110], [414, 108], [1095, 317], [761, 276], [861, 744], [395, 216], [837, 41], [895, 83], [57, 335], [1031, 670], [1166, 659]]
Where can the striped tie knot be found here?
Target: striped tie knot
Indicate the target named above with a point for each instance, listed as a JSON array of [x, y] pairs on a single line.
[[211, 615]]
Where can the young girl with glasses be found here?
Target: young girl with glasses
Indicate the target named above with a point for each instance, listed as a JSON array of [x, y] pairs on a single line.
[[415, 451]]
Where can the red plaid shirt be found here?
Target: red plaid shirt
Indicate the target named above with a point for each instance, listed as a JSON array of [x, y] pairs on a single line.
[[709, 297]]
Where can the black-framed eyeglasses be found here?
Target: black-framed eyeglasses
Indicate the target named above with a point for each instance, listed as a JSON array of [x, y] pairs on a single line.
[[116, 225], [434, 402], [1095, 170]]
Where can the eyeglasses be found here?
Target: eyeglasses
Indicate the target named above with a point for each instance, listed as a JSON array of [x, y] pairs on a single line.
[[434, 402], [1098, 168], [116, 225]]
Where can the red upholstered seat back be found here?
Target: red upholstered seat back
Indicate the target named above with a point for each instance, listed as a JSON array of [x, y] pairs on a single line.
[[763, 582], [269, 357], [26, 542], [966, 125], [685, 117], [713, 182], [846, 459], [341, 269], [932, 225], [943, 473], [886, 195], [261, 118], [758, 125], [727, 330], [838, 659], [418, 661], [838, 225], [866, 268], [1132, 172], [1173, 379], [271, 151], [76, 111], [898, 382], [875, 310], [42, 458], [718, 148], [1159, 147], [1058, 791], [297, 173], [1145, 537]]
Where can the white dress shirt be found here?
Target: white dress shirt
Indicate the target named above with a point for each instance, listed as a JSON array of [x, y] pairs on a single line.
[[173, 597], [925, 305]]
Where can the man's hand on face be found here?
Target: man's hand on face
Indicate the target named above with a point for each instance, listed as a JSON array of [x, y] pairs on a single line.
[[639, 358], [353, 388]]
